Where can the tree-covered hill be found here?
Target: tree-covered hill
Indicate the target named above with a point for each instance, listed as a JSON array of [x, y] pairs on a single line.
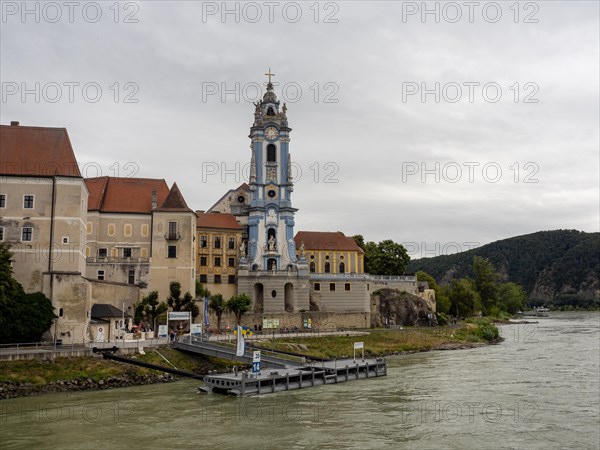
[[560, 267]]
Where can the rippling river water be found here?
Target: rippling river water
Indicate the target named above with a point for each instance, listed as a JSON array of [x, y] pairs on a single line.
[[540, 388]]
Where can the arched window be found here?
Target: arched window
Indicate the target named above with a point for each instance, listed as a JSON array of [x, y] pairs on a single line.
[[271, 153], [342, 267], [312, 267], [270, 111], [327, 267]]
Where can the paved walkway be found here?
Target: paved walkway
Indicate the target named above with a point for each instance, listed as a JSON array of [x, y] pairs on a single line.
[[50, 351], [265, 335]]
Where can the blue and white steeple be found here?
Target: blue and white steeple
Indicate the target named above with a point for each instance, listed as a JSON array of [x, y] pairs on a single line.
[[271, 220]]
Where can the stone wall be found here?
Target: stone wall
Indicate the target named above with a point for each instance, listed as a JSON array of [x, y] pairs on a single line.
[[115, 294], [319, 320], [275, 292], [71, 298], [340, 300], [407, 286]]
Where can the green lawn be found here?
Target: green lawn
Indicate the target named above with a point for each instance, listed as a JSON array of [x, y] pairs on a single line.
[[377, 343]]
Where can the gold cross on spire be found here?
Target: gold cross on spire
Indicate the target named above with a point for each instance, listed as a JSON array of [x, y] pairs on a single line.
[[270, 74]]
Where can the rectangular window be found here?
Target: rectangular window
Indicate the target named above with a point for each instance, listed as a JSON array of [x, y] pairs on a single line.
[[217, 261], [203, 261], [231, 262], [65, 240], [217, 279], [203, 242], [27, 234], [231, 243], [317, 286], [1, 234], [172, 231], [203, 278], [172, 251], [347, 286], [131, 279], [231, 279], [102, 252], [101, 274], [172, 228], [332, 286], [127, 252], [28, 201], [217, 242], [2, 200]]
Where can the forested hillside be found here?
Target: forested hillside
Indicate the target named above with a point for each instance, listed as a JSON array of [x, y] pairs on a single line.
[[559, 268]]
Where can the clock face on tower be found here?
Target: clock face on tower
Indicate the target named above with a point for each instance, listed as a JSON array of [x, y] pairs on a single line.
[[271, 133], [271, 191]]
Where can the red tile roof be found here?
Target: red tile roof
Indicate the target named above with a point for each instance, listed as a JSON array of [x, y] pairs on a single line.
[[125, 195], [326, 240], [36, 151], [216, 220], [174, 201]]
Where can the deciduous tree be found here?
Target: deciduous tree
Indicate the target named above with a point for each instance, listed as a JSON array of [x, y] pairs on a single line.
[[464, 298], [239, 305], [23, 317], [218, 305], [177, 303], [151, 306]]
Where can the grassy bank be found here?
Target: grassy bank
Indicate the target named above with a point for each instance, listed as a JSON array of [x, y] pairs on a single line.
[[96, 369], [21, 378], [389, 342], [61, 369]]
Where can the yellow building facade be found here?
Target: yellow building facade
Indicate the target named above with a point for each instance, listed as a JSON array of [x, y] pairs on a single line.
[[218, 239], [330, 252]]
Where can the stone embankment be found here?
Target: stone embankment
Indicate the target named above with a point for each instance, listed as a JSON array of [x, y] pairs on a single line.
[[12, 389]]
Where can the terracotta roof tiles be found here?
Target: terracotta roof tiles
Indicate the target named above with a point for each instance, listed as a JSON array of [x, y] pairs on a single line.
[[216, 220], [36, 151], [174, 201], [326, 240], [125, 195]]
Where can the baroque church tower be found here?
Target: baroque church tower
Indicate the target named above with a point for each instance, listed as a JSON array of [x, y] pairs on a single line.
[[270, 272], [271, 215]]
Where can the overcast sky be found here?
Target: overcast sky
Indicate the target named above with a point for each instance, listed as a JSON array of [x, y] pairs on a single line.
[[443, 131]]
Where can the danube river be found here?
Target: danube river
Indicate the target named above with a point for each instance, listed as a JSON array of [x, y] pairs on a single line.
[[538, 389]]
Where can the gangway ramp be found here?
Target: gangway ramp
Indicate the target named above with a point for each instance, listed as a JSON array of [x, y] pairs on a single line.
[[268, 359]]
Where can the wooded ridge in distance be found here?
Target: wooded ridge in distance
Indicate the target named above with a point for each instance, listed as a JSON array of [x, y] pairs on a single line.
[[559, 268]]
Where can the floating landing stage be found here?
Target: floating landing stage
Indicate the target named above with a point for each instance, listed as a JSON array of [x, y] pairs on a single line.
[[287, 379]]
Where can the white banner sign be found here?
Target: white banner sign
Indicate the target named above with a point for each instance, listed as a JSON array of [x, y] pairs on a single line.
[[358, 345], [179, 315], [162, 331], [196, 328], [256, 357]]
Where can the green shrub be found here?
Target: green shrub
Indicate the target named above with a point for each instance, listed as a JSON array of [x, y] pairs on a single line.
[[486, 330]]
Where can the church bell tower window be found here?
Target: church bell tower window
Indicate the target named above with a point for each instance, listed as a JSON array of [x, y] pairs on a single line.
[[271, 153]]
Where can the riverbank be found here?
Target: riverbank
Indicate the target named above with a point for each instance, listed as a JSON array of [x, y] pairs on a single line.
[[32, 377], [385, 342]]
